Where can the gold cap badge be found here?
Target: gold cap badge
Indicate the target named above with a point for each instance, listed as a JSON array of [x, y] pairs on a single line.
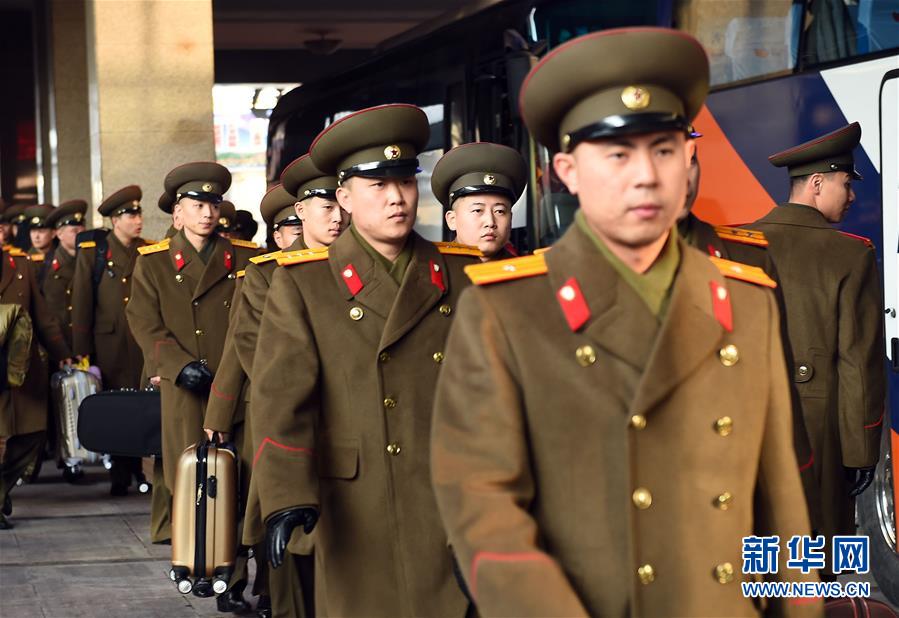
[[635, 97], [207, 187], [489, 179], [392, 152], [35, 220]]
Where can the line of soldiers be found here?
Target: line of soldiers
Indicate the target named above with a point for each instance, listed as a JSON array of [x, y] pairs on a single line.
[[592, 429]]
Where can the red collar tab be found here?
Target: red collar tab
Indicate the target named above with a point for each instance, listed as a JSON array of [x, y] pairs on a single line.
[[179, 260], [12, 262], [575, 308], [721, 306], [109, 253], [55, 264], [713, 251], [511, 249], [351, 278], [229, 260], [437, 276]]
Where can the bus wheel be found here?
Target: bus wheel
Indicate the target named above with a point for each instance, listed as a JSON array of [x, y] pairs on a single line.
[[877, 519]]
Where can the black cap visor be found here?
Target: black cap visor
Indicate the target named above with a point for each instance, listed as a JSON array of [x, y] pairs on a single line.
[[400, 168], [612, 126]]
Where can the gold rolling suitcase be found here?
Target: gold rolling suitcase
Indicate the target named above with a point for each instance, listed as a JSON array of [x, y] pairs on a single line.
[[204, 518]]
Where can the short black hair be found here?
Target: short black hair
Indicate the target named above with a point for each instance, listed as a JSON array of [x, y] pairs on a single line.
[[797, 181]]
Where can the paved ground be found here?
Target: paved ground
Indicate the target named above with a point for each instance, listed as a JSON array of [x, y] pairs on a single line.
[[75, 551]]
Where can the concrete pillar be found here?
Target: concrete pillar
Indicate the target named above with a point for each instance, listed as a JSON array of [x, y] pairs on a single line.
[[69, 175], [149, 88]]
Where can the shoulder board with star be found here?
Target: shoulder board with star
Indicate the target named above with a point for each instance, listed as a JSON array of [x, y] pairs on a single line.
[[301, 256], [36, 257], [743, 272], [162, 245], [246, 244], [868, 242], [240, 273], [454, 248], [266, 257], [745, 237], [15, 252], [87, 244], [506, 270]]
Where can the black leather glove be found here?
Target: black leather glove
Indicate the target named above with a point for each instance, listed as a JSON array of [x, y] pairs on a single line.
[[195, 377], [279, 527], [863, 478]]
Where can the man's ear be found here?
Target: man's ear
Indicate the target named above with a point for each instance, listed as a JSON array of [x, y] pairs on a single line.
[[450, 217], [817, 181], [344, 196], [566, 169], [689, 151], [299, 208]]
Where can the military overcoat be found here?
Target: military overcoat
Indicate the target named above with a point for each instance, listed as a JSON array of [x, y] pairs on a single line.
[[590, 459], [178, 313], [56, 286], [342, 393], [834, 324], [99, 325], [29, 401]]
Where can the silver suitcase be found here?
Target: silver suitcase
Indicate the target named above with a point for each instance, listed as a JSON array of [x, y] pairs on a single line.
[[69, 387]]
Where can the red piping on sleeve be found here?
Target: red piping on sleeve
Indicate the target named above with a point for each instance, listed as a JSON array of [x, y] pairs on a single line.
[[877, 424], [220, 394], [295, 449], [807, 464]]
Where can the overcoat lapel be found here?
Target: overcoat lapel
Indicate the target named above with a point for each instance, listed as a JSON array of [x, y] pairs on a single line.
[[418, 292], [378, 288], [616, 311], [689, 334], [216, 268]]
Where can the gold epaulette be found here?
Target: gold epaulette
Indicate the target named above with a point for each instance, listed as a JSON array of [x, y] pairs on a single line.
[[743, 272], [266, 257], [506, 270], [455, 248], [541, 250], [150, 242], [15, 251], [301, 256], [246, 244], [241, 273], [746, 237], [868, 242], [36, 257], [162, 245], [87, 244]]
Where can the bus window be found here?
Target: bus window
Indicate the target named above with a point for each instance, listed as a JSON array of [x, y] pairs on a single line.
[[840, 29], [557, 22], [744, 38], [429, 222]]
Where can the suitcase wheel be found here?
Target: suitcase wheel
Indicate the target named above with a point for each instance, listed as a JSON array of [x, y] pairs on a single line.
[[202, 588], [219, 585], [107, 462], [144, 487], [184, 586]]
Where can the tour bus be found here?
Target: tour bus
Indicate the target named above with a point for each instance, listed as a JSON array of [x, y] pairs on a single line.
[[782, 72]]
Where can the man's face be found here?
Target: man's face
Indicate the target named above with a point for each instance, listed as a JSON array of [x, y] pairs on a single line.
[[67, 235], [835, 195], [692, 187], [483, 221], [129, 225], [197, 217], [286, 234], [5, 233], [383, 209], [631, 188], [42, 238], [323, 220]]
